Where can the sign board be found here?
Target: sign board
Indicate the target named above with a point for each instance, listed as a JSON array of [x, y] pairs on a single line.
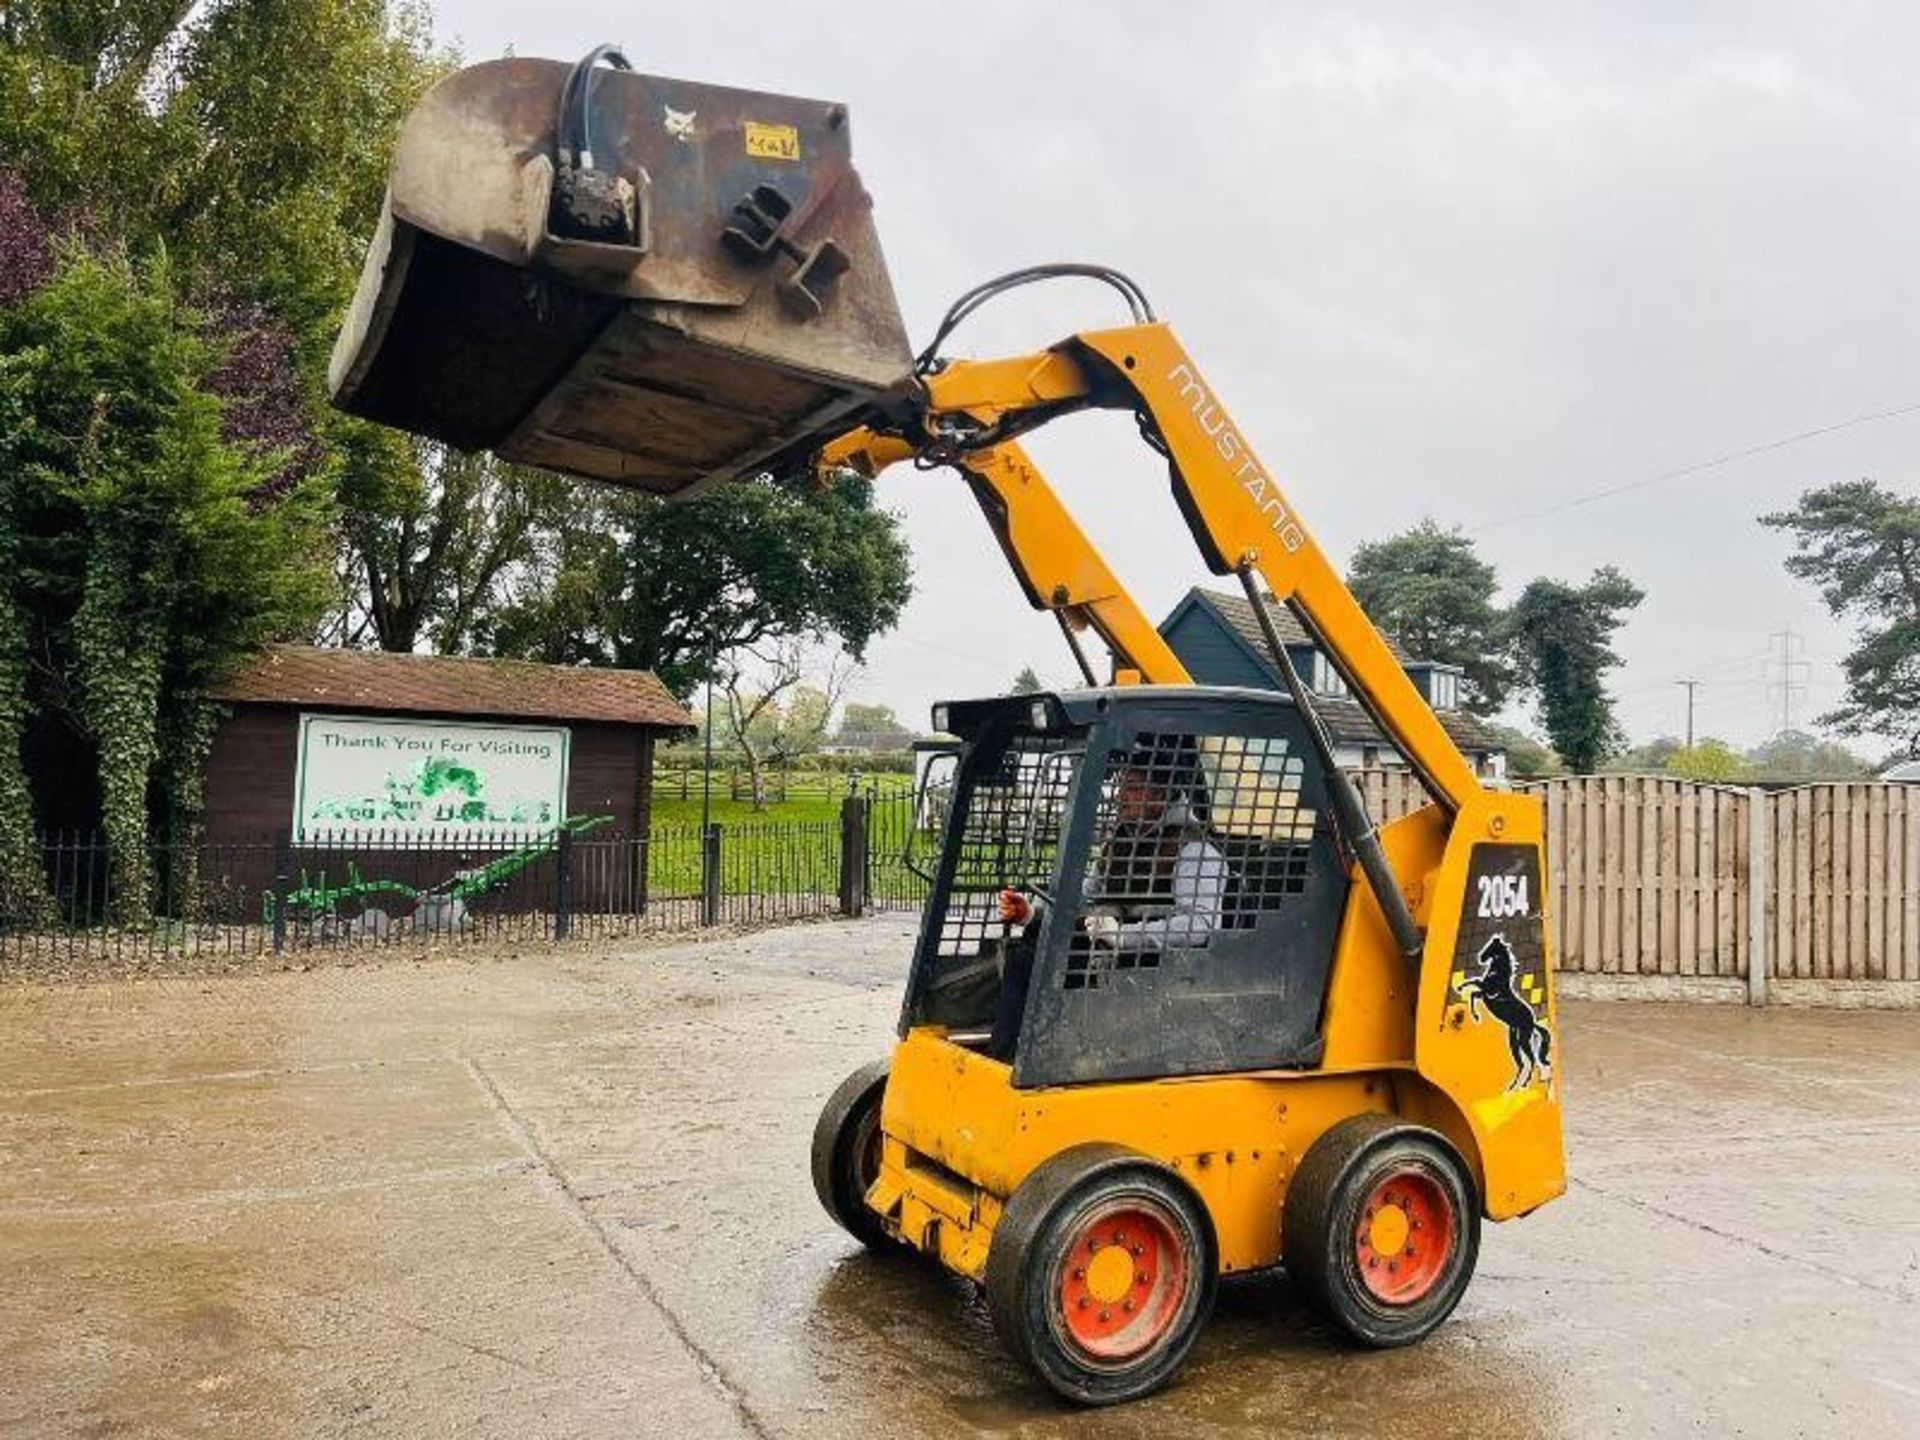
[[364, 775]]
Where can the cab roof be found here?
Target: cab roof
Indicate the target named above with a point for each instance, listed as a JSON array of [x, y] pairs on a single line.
[[1079, 708]]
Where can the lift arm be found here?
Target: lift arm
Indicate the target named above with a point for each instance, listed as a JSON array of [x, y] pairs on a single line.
[[1232, 503], [1058, 567]]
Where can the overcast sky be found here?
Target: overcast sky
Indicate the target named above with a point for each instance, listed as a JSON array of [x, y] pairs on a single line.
[[1472, 262]]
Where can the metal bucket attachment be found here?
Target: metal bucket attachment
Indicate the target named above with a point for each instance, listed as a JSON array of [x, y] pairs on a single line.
[[651, 282]]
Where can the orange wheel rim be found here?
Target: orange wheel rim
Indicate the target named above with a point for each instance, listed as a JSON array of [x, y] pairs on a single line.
[[1123, 1282], [1404, 1237]]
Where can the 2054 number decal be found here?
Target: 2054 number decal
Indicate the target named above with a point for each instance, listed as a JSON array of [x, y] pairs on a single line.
[[1503, 896]]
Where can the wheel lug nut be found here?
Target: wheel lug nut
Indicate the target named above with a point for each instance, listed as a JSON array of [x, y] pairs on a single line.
[[1373, 1262], [1079, 1273], [1139, 1250], [1129, 1305], [1106, 1315], [1141, 1277], [1392, 1266], [1085, 1302]]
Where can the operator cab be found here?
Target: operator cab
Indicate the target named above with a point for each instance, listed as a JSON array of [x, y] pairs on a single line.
[[1187, 881]]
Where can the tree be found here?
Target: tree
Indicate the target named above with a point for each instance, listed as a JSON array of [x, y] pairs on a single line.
[[149, 548], [870, 722], [431, 542], [1564, 642], [1796, 755], [1026, 682], [1859, 541], [1527, 758], [665, 587], [1711, 761], [773, 717], [1647, 759], [250, 139], [1434, 595]]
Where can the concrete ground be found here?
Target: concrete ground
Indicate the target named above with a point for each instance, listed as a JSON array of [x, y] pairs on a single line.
[[568, 1195]]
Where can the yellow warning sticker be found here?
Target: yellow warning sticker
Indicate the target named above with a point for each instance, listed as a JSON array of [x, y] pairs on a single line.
[[773, 142]]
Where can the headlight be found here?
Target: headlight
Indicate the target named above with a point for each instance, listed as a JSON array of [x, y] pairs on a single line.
[[940, 720], [1037, 714]]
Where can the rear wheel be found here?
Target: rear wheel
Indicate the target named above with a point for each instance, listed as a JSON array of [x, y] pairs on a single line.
[[1382, 1228], [846, 1154], [1102, 1273]]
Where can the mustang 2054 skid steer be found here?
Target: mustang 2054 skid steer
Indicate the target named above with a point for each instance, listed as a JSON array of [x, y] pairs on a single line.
[[1178, 1008]]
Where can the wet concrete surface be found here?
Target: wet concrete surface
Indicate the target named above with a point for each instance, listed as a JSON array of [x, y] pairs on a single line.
[[567, 1195]]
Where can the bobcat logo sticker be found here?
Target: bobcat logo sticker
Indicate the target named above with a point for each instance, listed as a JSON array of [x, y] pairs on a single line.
[[1528, 1037], [678, 123]]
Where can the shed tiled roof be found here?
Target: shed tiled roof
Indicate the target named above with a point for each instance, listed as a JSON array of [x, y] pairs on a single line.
[[444, 685]]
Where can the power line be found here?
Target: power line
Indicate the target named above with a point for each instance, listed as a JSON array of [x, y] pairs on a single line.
[[1718, 673], [1704, 465]]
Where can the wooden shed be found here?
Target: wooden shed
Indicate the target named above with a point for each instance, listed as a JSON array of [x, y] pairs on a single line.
[[339, 741]]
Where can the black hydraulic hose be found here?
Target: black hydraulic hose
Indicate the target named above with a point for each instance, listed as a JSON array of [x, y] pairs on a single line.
[[1136, 298], [1348, 807], [575, 120]]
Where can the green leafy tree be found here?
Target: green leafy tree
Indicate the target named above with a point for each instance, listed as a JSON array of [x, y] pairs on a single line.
[[1027, 683], [773, 715], [433, 540], [150, 549], [673, 588], [871, 722], [249, 137], [1564, 642], [1712, 761], [1648, 759], [250, 140], [1796, 755], [1859, 541], [1433, 594], [1527, 758]]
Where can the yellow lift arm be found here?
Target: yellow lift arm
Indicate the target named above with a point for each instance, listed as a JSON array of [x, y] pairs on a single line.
[[1058, 566], [969, 413]]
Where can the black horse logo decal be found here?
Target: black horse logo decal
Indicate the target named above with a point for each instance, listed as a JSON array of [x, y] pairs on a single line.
[[1527, 1035]]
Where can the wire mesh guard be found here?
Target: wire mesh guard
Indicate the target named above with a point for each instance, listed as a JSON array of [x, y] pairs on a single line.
[[1192, 835], [1009, 837]]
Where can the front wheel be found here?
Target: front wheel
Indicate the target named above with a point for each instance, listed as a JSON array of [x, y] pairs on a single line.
[[1381, 1228], [846, 1154], [1102, 1273]]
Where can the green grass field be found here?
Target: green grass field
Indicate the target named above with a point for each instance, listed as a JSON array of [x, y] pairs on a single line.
[[791, 847], [806, 801]]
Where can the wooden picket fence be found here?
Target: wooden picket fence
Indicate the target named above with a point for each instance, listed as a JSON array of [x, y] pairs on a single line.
[[1845, 865], [1655, 876], [1650, 876]]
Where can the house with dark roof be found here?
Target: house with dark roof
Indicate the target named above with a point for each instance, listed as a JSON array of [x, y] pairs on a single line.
[[322, 745], [1218, 638]]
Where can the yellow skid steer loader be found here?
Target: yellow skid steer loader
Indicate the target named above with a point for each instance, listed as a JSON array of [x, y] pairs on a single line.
[[1178, 1007]]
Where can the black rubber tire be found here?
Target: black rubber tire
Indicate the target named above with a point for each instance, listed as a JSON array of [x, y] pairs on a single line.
[[1032, 1245], [1323, 1212], [846, 1154]]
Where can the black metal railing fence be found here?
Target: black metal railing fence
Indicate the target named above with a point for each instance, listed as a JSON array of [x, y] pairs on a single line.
[[279, 894]]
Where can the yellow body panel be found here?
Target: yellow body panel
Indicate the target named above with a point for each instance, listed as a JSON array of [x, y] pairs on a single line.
[[955, 1126]]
